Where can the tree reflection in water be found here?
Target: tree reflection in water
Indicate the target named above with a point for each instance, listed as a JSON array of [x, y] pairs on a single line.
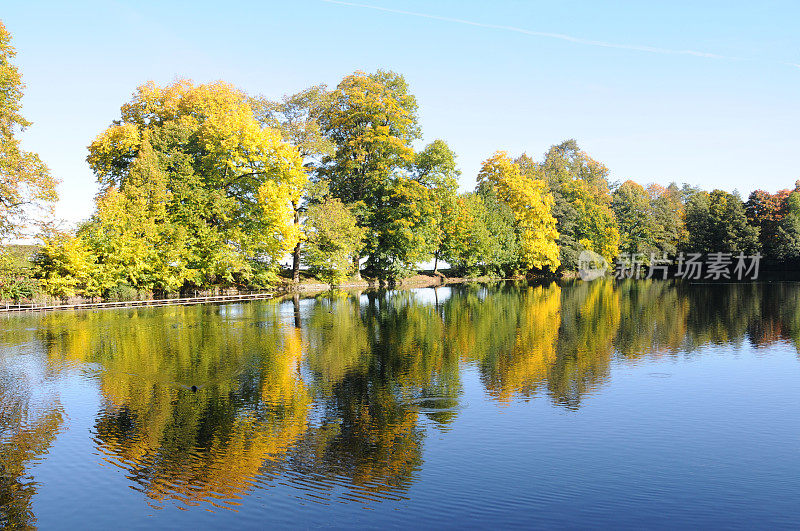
[[335, 394], [195, 401], [30, 419]]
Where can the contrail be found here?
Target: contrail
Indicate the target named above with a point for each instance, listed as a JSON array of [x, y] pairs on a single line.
[[559, 36]]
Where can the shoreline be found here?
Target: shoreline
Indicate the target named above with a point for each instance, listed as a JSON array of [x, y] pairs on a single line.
[[218, 296], [415, 281], [285, 288]]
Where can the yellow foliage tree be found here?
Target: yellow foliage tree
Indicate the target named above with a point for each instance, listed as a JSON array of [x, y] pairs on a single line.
[[531, 204], [194, 190]]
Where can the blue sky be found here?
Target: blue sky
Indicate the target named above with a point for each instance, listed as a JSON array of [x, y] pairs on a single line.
[[658, 91]]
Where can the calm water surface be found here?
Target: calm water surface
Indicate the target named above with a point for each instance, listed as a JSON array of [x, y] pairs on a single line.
[[561, 405]]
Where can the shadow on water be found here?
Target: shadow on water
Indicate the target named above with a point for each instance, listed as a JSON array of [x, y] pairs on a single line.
[[333, 395]]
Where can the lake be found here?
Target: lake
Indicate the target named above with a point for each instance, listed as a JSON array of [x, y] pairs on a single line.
[[576, 404]]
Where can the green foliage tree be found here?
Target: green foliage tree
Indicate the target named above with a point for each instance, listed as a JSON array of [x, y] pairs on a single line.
[[372, 120], [716, 222], [499, 251], [786, 245], [466, 241], [296, 116], [631, 205], [404, 230], [16, 279], [667, 213], [650, 220], [333, 238], [435, 168]]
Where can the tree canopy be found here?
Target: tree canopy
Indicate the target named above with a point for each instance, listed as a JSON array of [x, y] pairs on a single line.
[[717, 222], [193, 191], [531, 205], [582, 201]]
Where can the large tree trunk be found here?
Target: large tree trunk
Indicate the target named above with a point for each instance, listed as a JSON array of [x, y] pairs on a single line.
[[296, 263], [296, 252], [435, 263], [357, 266]]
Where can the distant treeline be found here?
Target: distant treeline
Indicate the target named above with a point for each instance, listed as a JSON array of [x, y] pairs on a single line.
[[205, 185]]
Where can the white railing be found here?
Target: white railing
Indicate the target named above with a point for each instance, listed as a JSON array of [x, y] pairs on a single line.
[[8, 307]]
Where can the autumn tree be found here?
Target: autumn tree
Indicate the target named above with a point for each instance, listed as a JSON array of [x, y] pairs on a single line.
[[296, 116], [531, 206], [134, 240], [768, 213], [25, 182], [193, 191], [372, 120], [582, 201], [65, 266]]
